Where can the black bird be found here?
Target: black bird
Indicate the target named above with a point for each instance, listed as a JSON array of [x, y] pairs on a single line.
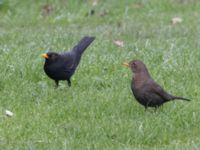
[[61, 66], [146, 91]]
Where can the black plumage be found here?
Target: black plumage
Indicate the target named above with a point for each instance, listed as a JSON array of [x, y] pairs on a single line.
[[61, 66]]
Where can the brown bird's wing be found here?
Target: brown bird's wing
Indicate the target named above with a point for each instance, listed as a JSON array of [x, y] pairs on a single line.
[[151, 94], [157, 89]]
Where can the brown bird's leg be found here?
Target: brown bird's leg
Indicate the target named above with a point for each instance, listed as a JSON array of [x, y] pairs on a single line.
[[57, 83], [145, 107], [69, 82]]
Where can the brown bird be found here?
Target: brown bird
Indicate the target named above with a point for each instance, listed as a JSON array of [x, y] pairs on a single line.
[[61, 66], [146, 91]]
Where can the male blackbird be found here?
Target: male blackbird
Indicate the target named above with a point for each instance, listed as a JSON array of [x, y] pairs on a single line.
[[146, 91], [61, 66]]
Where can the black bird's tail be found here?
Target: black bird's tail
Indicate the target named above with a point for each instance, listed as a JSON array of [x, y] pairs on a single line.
[[181, 98], [83, 44]]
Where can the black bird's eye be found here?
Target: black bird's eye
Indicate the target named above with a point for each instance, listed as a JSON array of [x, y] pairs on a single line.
[[53, 56]]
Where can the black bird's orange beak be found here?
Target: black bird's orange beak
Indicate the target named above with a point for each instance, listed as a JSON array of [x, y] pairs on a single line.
[[126, 64], [45, 56]]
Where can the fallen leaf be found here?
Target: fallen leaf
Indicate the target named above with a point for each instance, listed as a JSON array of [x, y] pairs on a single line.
[[95, 2], [103, 13], [119, 43], [137, 5], [176, 20], [47, 10]]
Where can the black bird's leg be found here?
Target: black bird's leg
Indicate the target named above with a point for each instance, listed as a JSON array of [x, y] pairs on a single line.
[[69, 82], [156, 108], [57, 83]]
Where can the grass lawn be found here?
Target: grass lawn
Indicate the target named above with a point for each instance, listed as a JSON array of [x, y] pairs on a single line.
[[99, 110]]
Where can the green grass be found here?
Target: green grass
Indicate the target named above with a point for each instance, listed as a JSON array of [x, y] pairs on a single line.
[[99, 110]]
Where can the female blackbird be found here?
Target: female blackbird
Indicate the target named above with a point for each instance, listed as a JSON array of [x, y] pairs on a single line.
[[146, 91], [62, 66]]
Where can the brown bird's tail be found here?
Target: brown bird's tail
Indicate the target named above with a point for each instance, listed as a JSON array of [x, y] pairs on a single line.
[[83, 44], [181, 98]]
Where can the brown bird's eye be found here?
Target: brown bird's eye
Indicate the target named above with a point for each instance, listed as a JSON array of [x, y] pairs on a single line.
[[134, 65]]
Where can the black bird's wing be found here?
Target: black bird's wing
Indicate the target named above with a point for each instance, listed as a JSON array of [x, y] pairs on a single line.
[[68, 59], [69, 63]]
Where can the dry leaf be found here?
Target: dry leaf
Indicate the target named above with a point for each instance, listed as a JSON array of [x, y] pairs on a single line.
[[119, 43], [95, 2], [176, 20], [137, 5], [103, 13], [47, 9]]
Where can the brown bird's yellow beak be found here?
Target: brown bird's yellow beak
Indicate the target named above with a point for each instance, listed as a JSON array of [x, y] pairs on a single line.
[[45, 56], [126, 64]]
